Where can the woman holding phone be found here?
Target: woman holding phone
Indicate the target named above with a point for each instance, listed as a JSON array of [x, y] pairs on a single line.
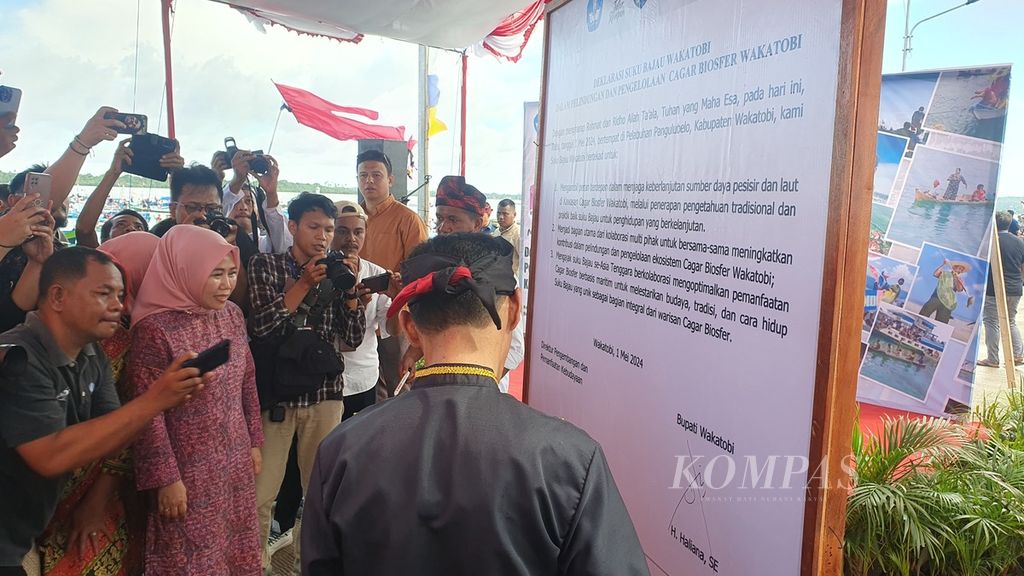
[[199, 460]]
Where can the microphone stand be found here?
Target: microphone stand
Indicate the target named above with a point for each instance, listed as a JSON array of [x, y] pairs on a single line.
[[405, 199]]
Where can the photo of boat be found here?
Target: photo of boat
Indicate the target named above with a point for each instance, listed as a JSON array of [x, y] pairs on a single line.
[[922, 195], [903, 351], [982, 111]]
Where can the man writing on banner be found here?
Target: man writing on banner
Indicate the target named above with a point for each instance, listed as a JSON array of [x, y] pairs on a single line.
[[392, 231], [461, 208], [441, 498]]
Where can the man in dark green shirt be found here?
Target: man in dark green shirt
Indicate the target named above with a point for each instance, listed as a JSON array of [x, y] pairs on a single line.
[[59, 410]]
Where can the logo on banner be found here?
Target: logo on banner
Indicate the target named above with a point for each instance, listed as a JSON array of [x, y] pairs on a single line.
[[594, 14], [640, 3], [536, 123]]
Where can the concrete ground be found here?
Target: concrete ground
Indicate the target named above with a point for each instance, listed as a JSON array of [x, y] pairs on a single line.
[[990, 383]]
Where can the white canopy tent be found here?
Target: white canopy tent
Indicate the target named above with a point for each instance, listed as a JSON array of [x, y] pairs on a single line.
[[501, 27], [452, 24]]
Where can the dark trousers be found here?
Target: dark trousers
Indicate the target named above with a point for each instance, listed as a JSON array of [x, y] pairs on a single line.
[[12, 571], [289, 497], [390, 352], [357, 402]]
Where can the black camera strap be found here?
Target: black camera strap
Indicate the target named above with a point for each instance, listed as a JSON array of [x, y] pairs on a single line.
[[261, 197], [313, 305]]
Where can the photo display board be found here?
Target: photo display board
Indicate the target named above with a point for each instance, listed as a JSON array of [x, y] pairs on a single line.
[[680, 238], [940, 141]]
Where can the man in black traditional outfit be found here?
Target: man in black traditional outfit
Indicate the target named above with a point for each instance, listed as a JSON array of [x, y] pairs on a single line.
[[454, 477]]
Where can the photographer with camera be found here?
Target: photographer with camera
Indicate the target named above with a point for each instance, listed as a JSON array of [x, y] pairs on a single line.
[[125, 221], [302, 301], [276, 238], [195, 198]]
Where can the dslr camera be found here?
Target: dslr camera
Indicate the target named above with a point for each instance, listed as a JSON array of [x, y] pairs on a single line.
[[259, 165], [219, 223], [337, 272]]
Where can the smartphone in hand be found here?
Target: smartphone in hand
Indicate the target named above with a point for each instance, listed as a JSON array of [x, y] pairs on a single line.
[[133, 123], [378, 283], [10, 99], [211, 358], [39, 183]]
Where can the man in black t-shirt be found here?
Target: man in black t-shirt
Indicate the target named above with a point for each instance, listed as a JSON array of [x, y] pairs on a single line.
[[59, 410], [1011, 252]]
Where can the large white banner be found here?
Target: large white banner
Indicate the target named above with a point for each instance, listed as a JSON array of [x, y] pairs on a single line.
[[684, 194]]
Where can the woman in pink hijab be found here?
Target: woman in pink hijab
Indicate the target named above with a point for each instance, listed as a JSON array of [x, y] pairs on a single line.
[[99, 527], [200, 460]]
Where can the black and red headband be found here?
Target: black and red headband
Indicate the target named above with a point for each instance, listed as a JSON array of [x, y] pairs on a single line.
[[487, 277]]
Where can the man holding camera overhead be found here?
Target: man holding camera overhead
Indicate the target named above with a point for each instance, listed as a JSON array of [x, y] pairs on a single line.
[[265, 170], [302, 301]]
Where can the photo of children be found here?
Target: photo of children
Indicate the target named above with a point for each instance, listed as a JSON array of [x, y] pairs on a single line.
[[972, 103], [949, 288], [903, 351], [892, 279], [903, 106], [888, 283], [948, 199], [880, 217], [888, 154]]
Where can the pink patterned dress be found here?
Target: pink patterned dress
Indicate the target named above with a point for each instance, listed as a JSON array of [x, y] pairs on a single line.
[[205, 443]]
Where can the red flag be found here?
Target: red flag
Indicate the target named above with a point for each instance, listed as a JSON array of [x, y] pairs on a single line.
[[319, 114]]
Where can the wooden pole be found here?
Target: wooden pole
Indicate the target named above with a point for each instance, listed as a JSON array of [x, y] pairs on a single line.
[[1006, 343], [165, 15], [842, 305]]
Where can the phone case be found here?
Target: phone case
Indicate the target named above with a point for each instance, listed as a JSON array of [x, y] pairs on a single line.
[[146, 152], [10, 99], [211, 358], [377, 283]]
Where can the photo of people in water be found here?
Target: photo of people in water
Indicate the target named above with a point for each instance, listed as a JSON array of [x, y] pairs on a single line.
[[947, 199], [971, 103], [949, 288], [903, 106], [903, 351]]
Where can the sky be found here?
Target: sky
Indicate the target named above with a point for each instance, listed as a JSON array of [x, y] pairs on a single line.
[[70, 57], [986, 32]]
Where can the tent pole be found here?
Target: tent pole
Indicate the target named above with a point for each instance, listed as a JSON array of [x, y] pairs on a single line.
[[462, 122], [165, 14], [424, 129]]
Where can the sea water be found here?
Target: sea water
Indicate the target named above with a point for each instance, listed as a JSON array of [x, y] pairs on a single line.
[[896, 374]]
